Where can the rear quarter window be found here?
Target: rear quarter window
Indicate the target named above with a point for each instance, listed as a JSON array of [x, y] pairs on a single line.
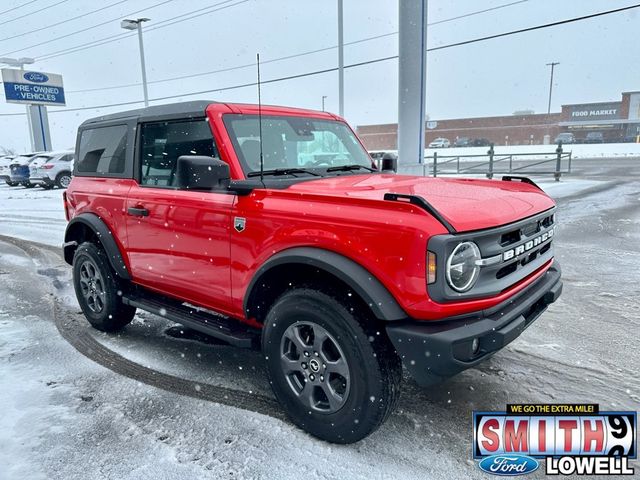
[[102, 151]]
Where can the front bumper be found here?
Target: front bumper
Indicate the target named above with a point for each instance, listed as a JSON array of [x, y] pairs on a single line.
[[435, 351]]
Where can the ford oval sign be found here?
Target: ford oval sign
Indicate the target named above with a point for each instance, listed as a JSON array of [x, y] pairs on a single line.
[[36, 77], [508, 465]]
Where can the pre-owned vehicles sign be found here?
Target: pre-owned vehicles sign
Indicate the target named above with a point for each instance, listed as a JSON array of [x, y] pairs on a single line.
[[34, 88]]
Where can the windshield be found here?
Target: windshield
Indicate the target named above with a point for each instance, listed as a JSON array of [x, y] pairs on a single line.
[[294, 142]]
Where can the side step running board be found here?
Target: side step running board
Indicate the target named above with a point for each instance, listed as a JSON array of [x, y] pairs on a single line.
[[218, 326]]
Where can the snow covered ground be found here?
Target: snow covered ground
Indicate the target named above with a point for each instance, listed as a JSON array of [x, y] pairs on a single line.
[[158, 402], [32, 213], [578, 151], [524, 158], [596, 150]]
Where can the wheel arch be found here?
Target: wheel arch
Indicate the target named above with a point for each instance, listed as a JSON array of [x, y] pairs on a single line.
[[90, 227], [303, 265]]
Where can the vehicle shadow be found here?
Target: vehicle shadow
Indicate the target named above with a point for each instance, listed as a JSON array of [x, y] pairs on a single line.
[[176, 350]]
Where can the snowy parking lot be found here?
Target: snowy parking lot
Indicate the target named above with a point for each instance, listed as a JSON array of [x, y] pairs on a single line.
[[158, 401]]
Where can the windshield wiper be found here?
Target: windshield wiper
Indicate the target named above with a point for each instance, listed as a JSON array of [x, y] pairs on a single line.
[[348, 168], [283, 171]]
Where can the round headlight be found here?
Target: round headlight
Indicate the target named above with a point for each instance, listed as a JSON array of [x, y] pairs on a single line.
[[462, 271]]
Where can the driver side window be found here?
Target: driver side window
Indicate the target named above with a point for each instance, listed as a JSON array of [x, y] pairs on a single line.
[[162, 143]]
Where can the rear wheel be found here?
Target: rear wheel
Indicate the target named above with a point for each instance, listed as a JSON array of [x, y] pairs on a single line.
[[12, 184], [336, 376], [99, 289], [28, 185], [63, 179]]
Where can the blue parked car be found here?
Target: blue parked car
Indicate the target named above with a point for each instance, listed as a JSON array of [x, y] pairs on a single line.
[[19, 170]]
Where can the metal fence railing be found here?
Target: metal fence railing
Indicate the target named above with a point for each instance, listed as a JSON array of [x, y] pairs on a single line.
[[557, 163]]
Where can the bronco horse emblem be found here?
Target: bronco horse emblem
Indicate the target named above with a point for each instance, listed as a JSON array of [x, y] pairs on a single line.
[[239, 223]]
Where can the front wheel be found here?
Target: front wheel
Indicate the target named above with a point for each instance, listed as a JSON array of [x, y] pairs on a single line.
[[336, 376], [99, 290]]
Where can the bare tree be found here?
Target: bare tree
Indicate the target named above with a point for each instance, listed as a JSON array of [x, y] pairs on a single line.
[[7, 151]]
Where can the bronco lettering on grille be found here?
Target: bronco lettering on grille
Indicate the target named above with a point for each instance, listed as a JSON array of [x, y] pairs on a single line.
[[529, 245]]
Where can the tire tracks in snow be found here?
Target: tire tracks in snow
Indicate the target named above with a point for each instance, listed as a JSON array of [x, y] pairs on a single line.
[[76, 335], [71, 327]]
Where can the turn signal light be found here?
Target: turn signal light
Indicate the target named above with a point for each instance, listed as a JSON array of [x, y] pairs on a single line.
[[431, 267]]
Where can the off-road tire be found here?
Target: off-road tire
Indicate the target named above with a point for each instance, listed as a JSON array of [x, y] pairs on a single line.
[[374, 369], [102, 304]]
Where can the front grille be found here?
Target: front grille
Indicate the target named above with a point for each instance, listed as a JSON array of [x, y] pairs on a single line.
[[504, 271], [510, 238], [518, 249], [529, 229]]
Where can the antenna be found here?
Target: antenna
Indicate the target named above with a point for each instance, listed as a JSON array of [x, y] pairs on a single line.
[[260, 120]]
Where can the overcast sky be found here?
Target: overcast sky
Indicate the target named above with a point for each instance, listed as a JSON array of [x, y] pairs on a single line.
[[598, 57]]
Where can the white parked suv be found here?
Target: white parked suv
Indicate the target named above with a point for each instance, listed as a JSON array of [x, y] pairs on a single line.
[[440, 143], [5, 171], [51, 169]]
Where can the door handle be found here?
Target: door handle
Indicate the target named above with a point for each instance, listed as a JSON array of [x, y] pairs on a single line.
[[138, 211]]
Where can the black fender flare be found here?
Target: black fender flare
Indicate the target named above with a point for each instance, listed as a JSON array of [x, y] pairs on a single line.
[[104, 235], [383, 305]]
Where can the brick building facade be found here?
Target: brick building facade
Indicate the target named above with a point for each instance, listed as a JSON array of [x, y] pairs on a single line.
[[616, 120]]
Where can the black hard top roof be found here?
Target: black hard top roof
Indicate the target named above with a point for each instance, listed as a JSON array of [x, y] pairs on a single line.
[[194, 108]]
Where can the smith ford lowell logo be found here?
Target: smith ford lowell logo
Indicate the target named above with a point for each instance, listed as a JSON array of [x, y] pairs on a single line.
[[508, 464], [525, 247], [36, 77], [574, 439]]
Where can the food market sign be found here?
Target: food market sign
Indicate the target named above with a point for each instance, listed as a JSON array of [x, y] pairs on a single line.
[[596, 111], [32, 88]]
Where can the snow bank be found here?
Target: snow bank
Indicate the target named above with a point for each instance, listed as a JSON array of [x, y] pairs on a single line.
[[578, 151], [596, 150], [32, 214]]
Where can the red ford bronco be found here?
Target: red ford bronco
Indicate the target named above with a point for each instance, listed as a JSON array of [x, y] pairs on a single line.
[[272, 227]]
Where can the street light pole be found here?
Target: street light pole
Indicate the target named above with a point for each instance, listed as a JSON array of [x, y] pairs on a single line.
[[142, 64], [552, 65], [340, 60], [136, 24], [323, 97]]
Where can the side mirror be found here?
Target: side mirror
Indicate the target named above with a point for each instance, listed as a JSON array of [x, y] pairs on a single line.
[[202, 173], [389, 163]]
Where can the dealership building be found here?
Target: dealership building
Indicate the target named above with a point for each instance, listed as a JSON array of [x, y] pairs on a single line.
[[617, 121]]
